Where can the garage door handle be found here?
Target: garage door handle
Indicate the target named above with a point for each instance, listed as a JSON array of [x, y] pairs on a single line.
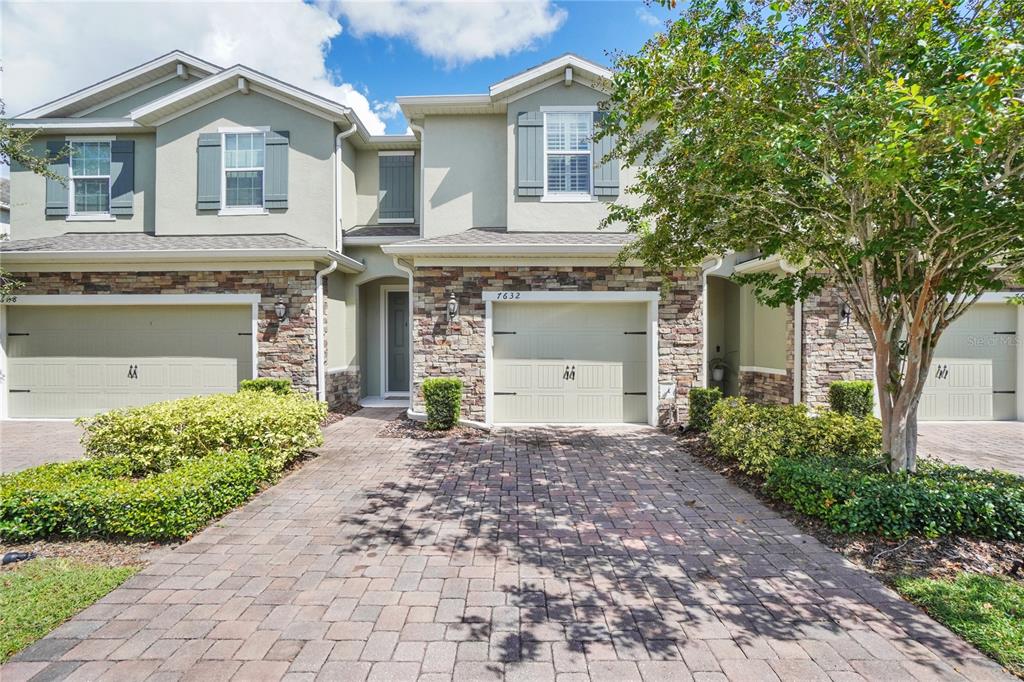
[[20, 390], [505, 393], [635, 393]]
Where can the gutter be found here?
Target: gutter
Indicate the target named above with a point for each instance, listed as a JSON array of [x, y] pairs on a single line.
[[503, 249], [321, 361], [346, 263], [423, 144], [337, 184]]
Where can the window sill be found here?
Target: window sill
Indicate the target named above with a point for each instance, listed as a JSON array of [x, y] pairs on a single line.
[[91, 218], [243, 211], [567, 199], [408, 221]]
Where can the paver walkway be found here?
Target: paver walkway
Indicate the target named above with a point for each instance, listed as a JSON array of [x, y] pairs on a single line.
[[529, 554], [981, 445], [29, 443]]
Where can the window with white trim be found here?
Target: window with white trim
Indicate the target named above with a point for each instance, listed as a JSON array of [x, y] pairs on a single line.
[[567, 153], [90, 177], [244, 158]]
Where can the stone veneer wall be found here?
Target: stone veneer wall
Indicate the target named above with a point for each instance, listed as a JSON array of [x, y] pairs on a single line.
[[458, 349], [285, 350], [832, 350], [762, 387], [343, 387]]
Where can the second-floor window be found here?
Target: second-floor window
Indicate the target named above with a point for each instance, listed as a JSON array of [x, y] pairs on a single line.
[[567, 152], [244, 158], [90, 177]]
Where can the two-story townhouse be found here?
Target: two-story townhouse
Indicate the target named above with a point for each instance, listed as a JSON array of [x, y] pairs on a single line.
[[215, 224]]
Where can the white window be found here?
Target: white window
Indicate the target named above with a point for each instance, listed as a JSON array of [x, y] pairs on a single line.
[[567, 154], [90, 178], [244, 155]]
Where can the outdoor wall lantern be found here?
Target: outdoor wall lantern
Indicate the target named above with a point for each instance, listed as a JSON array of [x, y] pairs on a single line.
[[845, 313], [281, 308], [452, 308]]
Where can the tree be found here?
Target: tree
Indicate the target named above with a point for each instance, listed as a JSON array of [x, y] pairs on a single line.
[[876, 143], [16, 148]]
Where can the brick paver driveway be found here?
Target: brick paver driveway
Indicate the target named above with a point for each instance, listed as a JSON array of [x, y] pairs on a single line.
[[530, 554], [29, 443], [981, 445]]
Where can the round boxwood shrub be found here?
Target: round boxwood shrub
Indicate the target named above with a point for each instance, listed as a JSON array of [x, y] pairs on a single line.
[[852, 397], [443, 397], [702, 401]]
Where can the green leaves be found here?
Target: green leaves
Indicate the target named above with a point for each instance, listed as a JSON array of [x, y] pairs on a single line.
[[443, 397]]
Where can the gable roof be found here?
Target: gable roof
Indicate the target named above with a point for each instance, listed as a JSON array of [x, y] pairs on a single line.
[[499, 95], [123, 84]]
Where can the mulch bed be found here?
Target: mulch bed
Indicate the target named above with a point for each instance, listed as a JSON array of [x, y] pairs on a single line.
[[403, 427], [86, 551], [916, 556], [339, 413]]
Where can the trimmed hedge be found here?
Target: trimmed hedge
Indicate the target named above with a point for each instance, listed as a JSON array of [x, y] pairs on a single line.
[[98, 498], [754, 436], [443, 397], [856, 398], [158, 437], [857, 495], [702, 401], [278, 386]]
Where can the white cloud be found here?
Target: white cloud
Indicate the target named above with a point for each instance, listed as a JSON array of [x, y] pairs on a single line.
[[52, 49], [455, 31], [648, 17], [387, 110]]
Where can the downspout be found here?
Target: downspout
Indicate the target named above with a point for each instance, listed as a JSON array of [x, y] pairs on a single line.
[[337, 184], [321, 361], [408, 271], [798, 339], [704, 313], [423, 179]]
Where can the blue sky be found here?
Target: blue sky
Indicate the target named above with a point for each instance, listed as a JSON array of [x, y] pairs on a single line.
[[390, 67], [362, 53]]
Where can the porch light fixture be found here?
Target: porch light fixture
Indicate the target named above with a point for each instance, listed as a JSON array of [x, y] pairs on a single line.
[[452, 309], [281, 308]]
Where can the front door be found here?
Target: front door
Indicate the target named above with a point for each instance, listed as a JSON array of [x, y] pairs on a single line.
[[396, 379]]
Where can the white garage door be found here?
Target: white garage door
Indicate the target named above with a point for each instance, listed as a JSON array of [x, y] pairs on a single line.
[[974, 373], [570, 362], [70, 361]]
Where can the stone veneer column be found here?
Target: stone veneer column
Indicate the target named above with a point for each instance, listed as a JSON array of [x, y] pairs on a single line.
[[284, 350], [457, 350], [833, 350]]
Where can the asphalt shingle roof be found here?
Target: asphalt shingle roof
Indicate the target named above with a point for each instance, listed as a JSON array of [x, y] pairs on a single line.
[[484, 236], [137, 241], [384, 231]]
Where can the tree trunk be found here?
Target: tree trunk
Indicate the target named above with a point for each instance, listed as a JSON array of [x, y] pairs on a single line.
[[912, 439]]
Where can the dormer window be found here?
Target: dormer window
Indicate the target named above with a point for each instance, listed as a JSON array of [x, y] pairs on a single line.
[[567, 155], [244, 159], [90, 178]]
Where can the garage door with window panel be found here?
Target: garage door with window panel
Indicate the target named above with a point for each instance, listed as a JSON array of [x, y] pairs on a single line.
[[70, 361], [974, 371], [569, 362]]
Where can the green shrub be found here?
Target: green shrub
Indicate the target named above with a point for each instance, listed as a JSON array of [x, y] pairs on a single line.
[[754, 436], [835, 434], [161, 436], [858, 495], [444, 402], [702, 401], [278, 386], [95, 498], [852, 397]]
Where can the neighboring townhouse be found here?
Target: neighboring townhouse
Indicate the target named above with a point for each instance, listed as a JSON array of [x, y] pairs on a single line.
[[218, 224]]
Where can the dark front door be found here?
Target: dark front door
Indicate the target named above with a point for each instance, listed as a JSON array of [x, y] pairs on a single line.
[[397, 342]]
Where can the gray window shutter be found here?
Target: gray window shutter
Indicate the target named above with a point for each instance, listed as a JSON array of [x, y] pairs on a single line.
[[530, 154], [275, 172], [209, 180], [396, 187], [606, 174], [122, 177], [56, 192]]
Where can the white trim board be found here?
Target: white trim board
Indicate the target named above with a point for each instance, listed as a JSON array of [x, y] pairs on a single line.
[[763, 370], [650, 298]]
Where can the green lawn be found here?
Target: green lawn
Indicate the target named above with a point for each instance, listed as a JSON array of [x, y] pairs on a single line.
[[987, 611], [41, 594]]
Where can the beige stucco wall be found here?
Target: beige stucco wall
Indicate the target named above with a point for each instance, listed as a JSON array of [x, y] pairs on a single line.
[[28, 197], [763, 333], [310, 212], [464, 167], [530, 213], [724, 333]]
